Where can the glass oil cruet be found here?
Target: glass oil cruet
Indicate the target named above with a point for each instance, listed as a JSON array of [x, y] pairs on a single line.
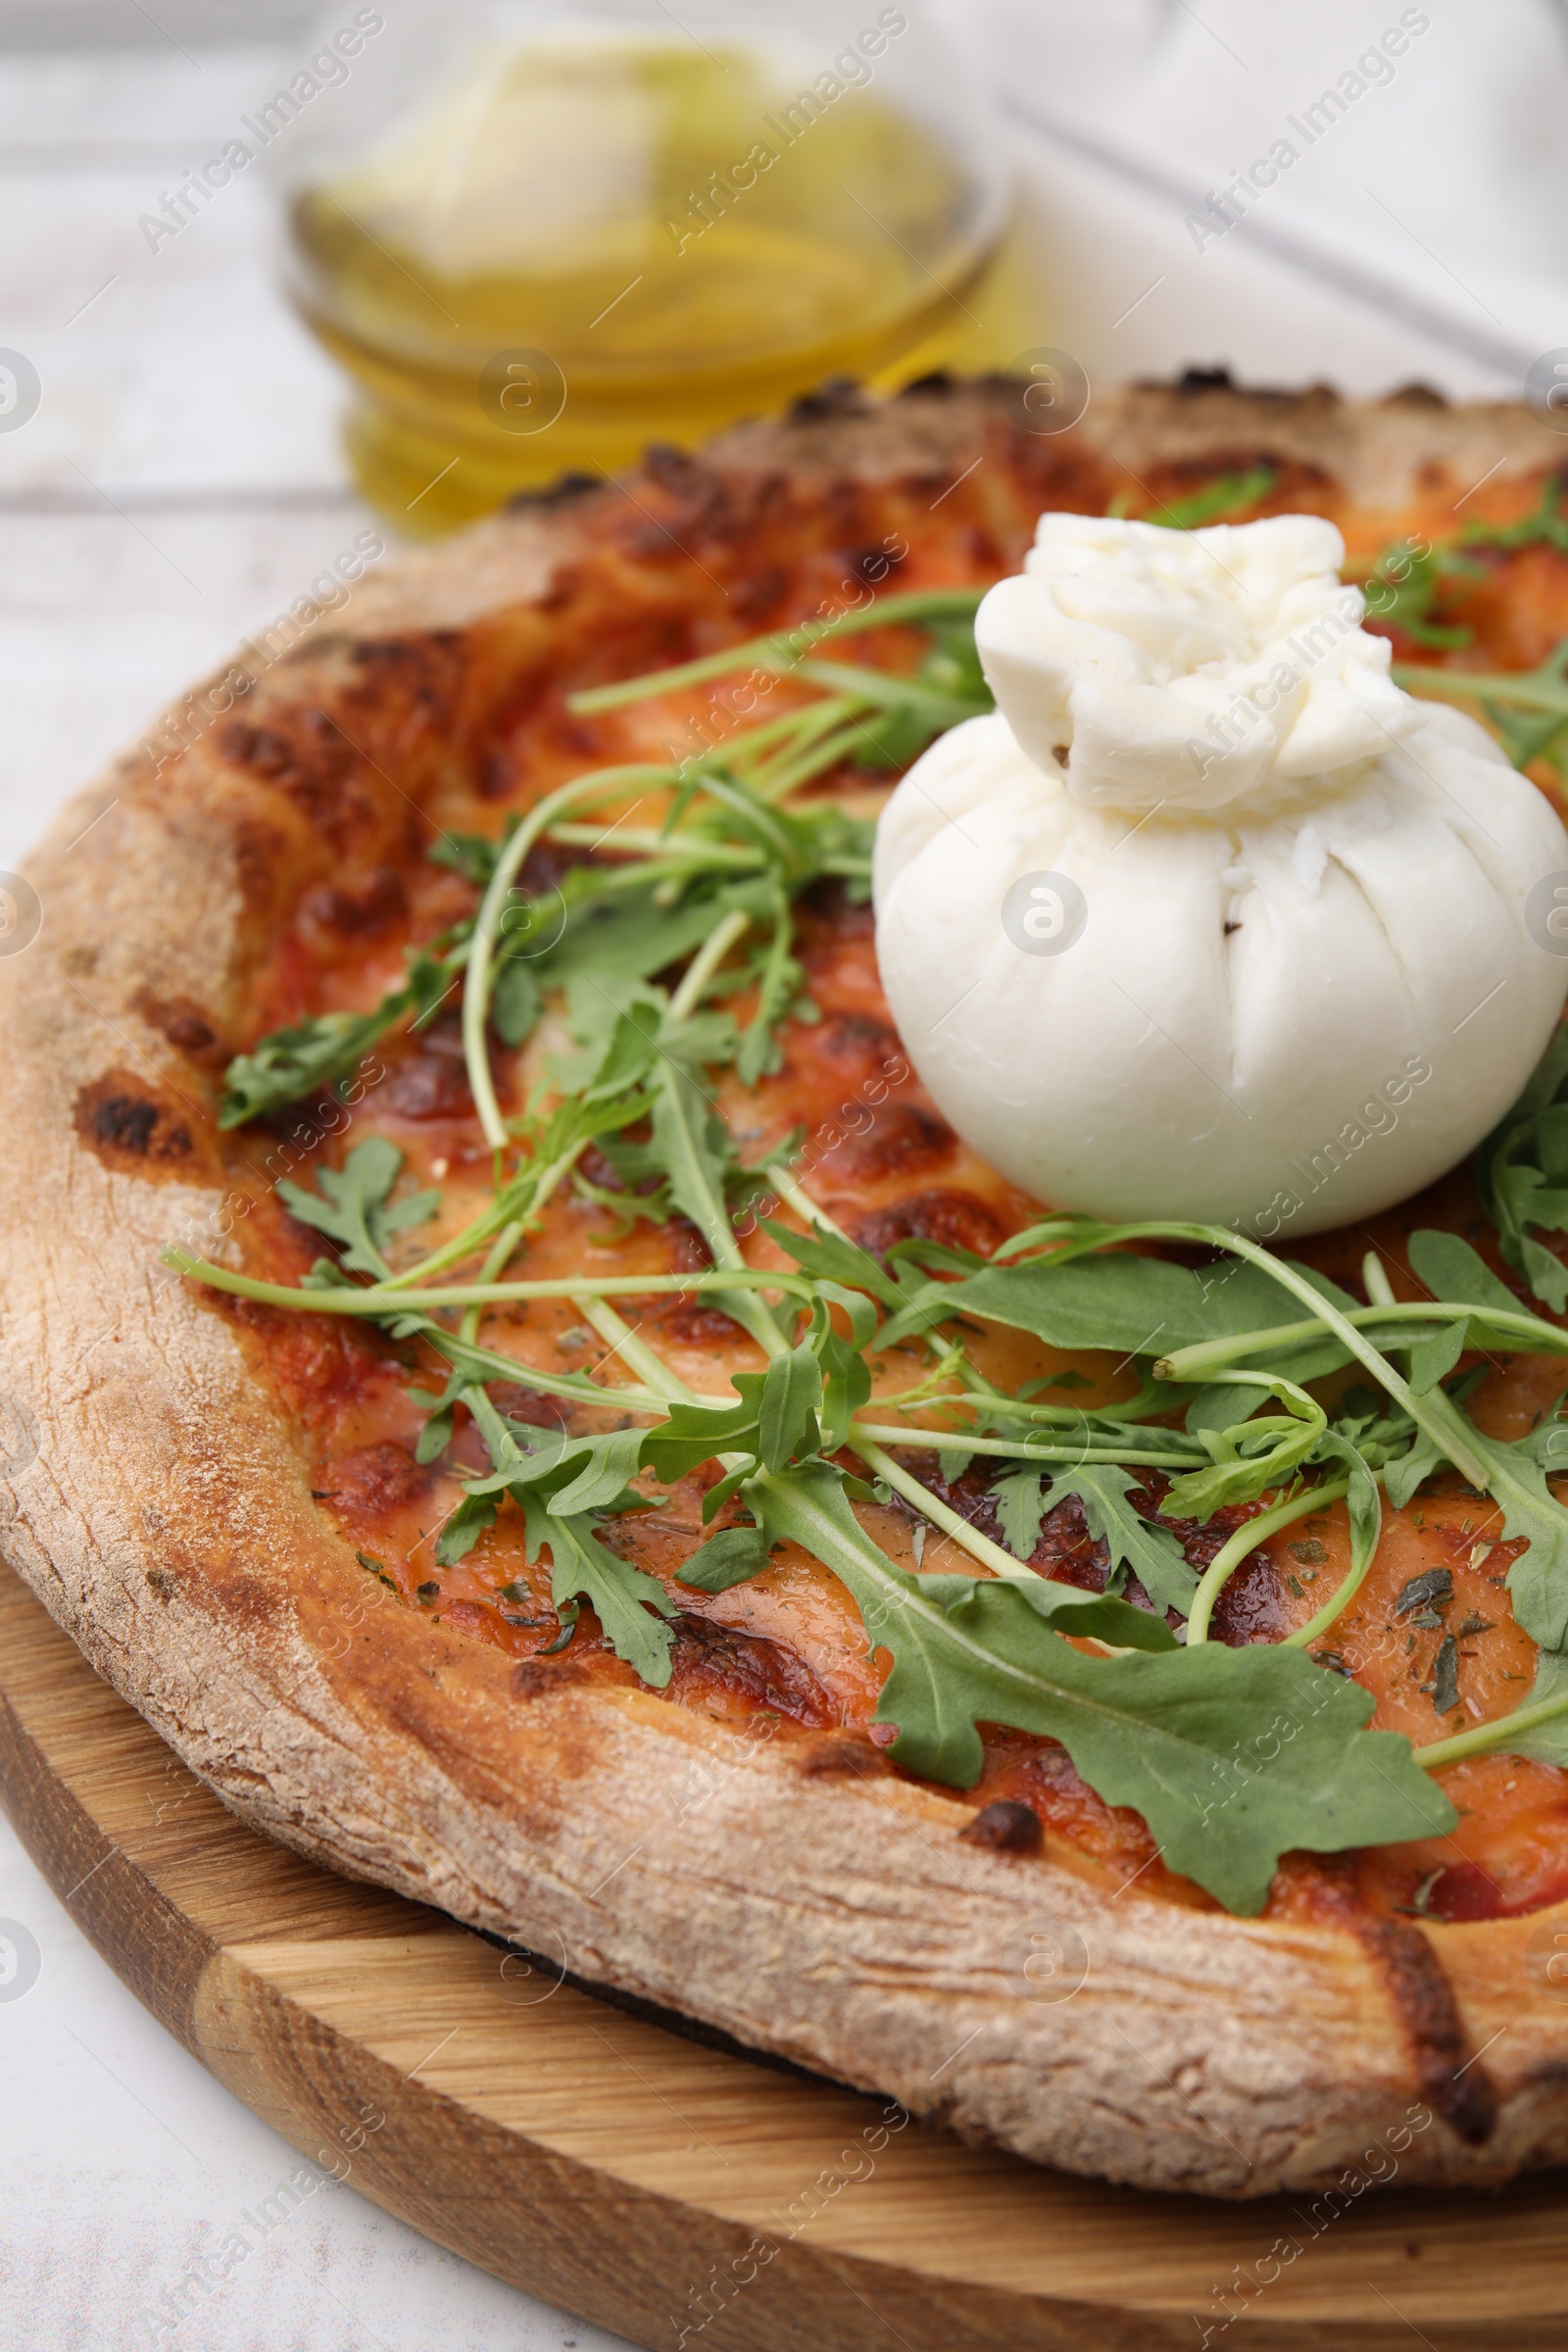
[[541, 237]]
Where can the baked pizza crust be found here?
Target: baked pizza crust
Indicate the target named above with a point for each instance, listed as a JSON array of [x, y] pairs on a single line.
[[752, 1881]]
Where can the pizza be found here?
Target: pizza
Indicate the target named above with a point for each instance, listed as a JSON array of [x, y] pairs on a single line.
[[538, 1408]]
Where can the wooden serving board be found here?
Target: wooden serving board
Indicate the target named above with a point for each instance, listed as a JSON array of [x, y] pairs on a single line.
[[677, 2192]]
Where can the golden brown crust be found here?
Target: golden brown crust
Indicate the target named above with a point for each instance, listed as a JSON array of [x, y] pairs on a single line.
[[840, 1920]]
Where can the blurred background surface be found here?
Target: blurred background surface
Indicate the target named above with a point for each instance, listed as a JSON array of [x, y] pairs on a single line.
[[183, 479]]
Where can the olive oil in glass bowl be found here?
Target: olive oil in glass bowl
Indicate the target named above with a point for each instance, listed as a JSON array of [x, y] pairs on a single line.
[[540, 239]]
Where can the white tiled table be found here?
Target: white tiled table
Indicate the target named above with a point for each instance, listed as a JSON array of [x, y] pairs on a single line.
[[181, 483]]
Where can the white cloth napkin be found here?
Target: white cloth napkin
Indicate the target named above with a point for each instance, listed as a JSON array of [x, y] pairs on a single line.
[[1415, 155]]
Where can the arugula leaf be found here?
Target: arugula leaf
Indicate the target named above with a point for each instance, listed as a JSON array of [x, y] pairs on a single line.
[[621, 1595], [1066, 1608], [352, 1208], [436, 1434], [1151, 1551], [732, 1557], [1538, 1580], [780, 982], [559, 1484], [1216, 500], [1363, 1507], [1402, 1476], [693, 1146], [1130, 1304], [827, 1257], [1545, 1743], [1021, 1511], [1232, 1757], [516, 1001], [1433, 1359], [1454, 1272], [1544, 525], [627, 935], [774, 1419], [1404, 585], [463, 1530], [617, 1033], [1534, 734], [786, 1408], [694, 1434], [1220, 1405], [845, 1372], [303, 1059], [576, 1474], [311, 1056], [1522, 1175], [471, 855]]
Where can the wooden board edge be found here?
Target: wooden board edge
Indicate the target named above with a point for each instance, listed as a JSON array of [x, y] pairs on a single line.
[[584, 2239]]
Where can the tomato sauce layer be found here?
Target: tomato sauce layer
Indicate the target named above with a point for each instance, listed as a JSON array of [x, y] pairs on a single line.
[[440, 736]]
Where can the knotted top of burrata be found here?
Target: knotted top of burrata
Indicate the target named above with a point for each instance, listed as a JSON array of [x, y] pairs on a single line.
[[1189, 669], [1210, 919]]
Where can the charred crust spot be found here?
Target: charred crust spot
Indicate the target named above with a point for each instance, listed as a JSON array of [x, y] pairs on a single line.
[[829, 919], [940, 384], [948, 1214], [1006, 1827], [689, 1252], [536, 1678], [528, 1404], [570, 487], [670, 467], [835, 396], [312, 765], [1451, 2078], [496, 773], [757, 597], [708, 1658], [125, 1123], [1203, 380], [1449, 2072], [1414, 395], [162, 1582], [860, 1045], [872, 564], [259, 852], [1045, 1777], [419, 663], [190, 1029], [901, 1138], [358, 910], [262, 750], [1196, 382], [693, 1323], [130, 1129], [431, 1082]]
